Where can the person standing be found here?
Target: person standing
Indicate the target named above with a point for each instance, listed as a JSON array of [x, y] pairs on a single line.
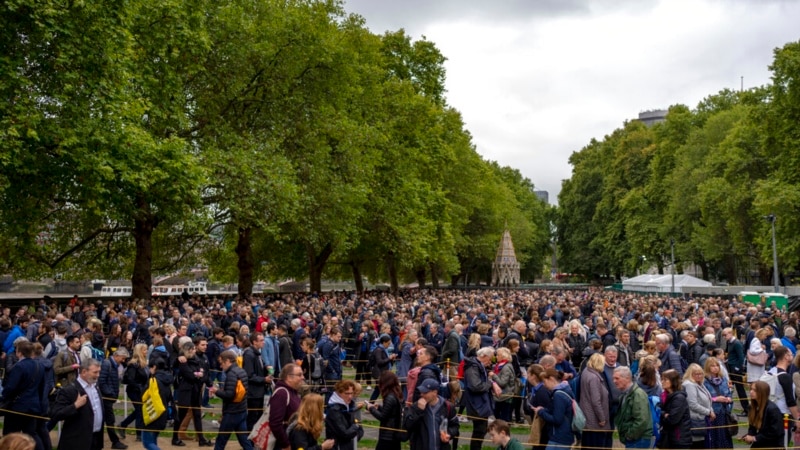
[[700, 405], [340, 423], [765, 422], [331, 354], [381, 361], [478, 394], [735, 366], [24, 392], [135, 381], [191, 379], [108, 384], [558, 417], [595, 404], [79, 405], [67, 364], [234, 408], [257, 378], [430, 421], [676, 423], [310, 421], [158, 371], [283, 403], [717, 386], [390, 412], [633, 419]]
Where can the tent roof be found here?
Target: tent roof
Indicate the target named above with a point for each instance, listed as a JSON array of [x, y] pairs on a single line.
[[648, 280]]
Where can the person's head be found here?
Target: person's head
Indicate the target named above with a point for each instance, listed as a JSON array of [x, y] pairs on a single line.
[[90, 370], [503, 354], [759, 397], [121, 355], [671, 381], [257, 340], [474, 341], [535, 374], [386, 340], [310, 415], [648, 369], [227, 359], [346, 389], [611, 354], [17, 441], [335, 335], [429, 390], [662, 342], [24, 348], [485, 355], [292, 374], [783, 356], [550, 378], [388, 383], [499, 432], [548, 361], [623, 379], [596, 362], [694, 373], [140, 355]]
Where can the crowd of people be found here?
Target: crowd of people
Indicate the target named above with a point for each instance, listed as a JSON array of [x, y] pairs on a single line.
[[572, 366]]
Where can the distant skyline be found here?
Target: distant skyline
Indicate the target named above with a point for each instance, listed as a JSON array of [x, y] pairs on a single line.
[[536, 80]]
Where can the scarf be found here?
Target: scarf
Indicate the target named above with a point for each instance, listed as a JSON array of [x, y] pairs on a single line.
[[499, 366]]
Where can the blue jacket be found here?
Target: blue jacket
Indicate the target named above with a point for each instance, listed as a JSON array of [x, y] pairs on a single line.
[[269, 353], [24, 387], [108, 382], [15, 332], [331, 353], [559, 416]]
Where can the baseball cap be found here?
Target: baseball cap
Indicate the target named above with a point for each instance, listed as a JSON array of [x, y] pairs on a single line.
[[428, 385]]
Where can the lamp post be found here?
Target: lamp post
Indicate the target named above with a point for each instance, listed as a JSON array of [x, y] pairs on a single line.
[[771, 219], [672, 269]]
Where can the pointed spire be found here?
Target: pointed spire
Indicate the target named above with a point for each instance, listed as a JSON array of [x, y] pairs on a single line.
[[505, 269]]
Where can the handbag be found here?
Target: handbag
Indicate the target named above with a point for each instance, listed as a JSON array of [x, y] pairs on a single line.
[[152, 406], [732, 424], [261, 434], [757, 359]]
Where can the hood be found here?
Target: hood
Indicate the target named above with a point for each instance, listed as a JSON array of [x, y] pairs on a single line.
[[164, 377], [434, 368], [588, 351], [336, 400], [60, 341], [160, 348]]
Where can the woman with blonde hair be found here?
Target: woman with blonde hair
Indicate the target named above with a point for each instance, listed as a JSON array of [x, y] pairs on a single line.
[[722, 402], [755, 350], [17, 441], [136, 379], [504, 377], [310, 422], [473, 344], [594, 403], [700, 405]]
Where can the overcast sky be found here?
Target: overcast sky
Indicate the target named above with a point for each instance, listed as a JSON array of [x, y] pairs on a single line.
[[535, 80]]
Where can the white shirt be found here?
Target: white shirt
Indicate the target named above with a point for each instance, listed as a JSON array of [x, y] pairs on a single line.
[[94, 400]]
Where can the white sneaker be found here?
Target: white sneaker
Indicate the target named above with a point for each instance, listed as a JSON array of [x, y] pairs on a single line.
[[215, 423], [462, 419], [368, 388]]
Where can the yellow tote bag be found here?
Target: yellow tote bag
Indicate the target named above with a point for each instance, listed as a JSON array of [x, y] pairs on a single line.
[[152, 406]]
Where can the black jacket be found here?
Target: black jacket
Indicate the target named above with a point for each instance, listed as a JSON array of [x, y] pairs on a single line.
[[770, 435], [675, 422], [228, 390], [388, 414], [302, 439], [418, 428], [432, 372], [135, 380], [190, 387], [381, 361], [341, 427], [253, 366], [108, 382], [78, 423]]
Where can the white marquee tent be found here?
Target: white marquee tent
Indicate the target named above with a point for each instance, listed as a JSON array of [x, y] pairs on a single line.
[[662, 283]]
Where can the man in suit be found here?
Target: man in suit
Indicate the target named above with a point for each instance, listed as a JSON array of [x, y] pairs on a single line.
[[24, 389], [80, 407]]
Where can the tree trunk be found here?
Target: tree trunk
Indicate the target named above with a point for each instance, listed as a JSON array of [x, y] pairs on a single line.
[[244, 262], [392, 269], [419, 274], [316, 264], [434, 276], [454, 280], [704, 269], [141, 280], [357, 278]]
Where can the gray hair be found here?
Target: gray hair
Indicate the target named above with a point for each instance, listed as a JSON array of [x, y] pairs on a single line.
[[485, 351], [663, 338], [624, 372], [122, 351], [611, 349], [87, 364], [790, 332]]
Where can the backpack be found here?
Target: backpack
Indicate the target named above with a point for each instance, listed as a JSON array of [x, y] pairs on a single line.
[[655, 414], [319, 365], [575, 385], [54, 350], [578, 418], [776, 393], [98, 354]]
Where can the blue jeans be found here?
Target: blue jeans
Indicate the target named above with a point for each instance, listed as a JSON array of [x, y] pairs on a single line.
[[639, 443], [553, 445], [236, 422], [149, 440]]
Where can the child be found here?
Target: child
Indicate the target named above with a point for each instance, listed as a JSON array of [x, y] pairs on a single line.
[[500, 434]]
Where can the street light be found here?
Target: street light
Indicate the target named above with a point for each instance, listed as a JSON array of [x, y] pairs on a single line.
[[771, 219], [672, 270]]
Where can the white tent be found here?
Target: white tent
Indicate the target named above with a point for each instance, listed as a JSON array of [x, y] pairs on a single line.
[[662, 283]]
